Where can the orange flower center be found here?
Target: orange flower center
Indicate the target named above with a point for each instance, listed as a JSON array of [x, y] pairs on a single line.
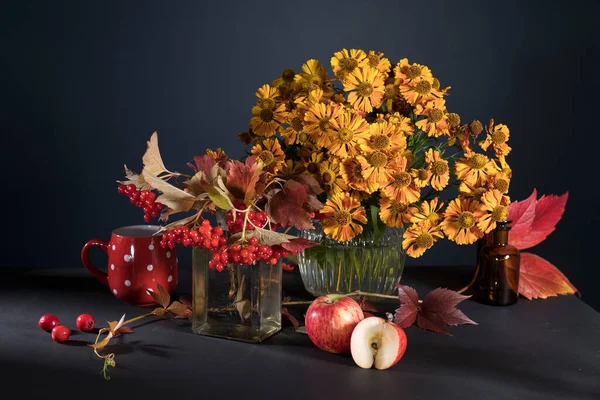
[[498, 137], [296, 124], [499, 213], [364, 89], [373, 60], [413, 71], [345, 135], [324, 124], [478, 193], [266, 157], [266, 115], [501, 185], [357, 172], [478, 161], [466, 220], [423, 174], [267, 104], [348, 64], [288, 75], [454, 119], [423, 87], [439, 168], [328, 177], [342, 217], [435, 115], [313, 167], [391, 91], [402, 179], [380, 142], [424, 240], [398, 207], [378, 159]]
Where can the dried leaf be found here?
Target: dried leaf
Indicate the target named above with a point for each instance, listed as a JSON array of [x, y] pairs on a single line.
[[548, 211], [174, 198], [297, 244], [164, 294], [286, 316], [204, 163], [522, 214], [101, 344], [179, 222], [159, 312], [180, 310], [152, 160], [186, 301], [286, 207], [301, 329], [406, 314], [540, 279], [266, 237], [438, 307], [134, 178], [159, 297], [123, 329], [366, 305]]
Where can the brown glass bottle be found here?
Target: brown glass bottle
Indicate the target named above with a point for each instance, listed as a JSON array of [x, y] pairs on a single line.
[[497, 281]]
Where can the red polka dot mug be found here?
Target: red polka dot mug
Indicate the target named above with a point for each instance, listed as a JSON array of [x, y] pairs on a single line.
[[136, 263]]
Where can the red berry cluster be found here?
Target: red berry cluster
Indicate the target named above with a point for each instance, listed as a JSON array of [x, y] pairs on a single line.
[[257, 218], [144, 199], [205, 236]]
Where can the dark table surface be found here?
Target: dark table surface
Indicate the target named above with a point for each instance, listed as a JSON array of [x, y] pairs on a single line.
[[541, 349]]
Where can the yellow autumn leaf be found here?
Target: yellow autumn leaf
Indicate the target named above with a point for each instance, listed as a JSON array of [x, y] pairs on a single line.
[[152, 160]]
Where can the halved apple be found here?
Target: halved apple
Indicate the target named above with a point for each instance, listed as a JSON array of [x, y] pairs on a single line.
[[377, 342]]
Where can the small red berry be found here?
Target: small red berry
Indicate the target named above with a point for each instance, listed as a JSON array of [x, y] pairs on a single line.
[[47, 322], [85, 323], [60, 333]]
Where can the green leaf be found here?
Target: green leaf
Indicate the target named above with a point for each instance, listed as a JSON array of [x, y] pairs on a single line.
[[220, 199], [378, 225]]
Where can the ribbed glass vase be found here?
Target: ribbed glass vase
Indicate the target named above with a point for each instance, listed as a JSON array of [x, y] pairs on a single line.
[[363, 263]]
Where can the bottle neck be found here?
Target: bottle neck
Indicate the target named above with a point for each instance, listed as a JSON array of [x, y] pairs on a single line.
[[501, 237]]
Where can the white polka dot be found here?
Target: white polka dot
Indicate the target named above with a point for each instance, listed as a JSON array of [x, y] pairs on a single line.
[[127, 283], [149, 267], [115, 291], [127, 257], [177, 260], [168, 254], [151, 247], [112, 266], [170, 279], [114, 247], [150, 290]]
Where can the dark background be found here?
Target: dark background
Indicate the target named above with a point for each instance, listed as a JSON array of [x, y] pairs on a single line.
[[84, 85]]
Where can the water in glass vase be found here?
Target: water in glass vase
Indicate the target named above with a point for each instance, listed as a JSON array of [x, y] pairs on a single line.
[[365, 263], [243, 302]]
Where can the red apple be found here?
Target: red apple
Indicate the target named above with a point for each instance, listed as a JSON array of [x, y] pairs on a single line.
[[330, 320], [377, 342]]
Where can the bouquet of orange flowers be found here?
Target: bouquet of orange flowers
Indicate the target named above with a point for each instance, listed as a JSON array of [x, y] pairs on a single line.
[[381, 144]]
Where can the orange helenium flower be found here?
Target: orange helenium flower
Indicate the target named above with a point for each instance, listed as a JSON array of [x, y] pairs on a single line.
[[352, 129], [270, 154], [460, 221], [439, 169], [400, 185], [494, 207], [395, 213], [344, 216], [366, 88], [475, 168], [420, 237]]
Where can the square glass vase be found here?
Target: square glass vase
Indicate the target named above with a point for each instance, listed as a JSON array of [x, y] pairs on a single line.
[[242, 302]]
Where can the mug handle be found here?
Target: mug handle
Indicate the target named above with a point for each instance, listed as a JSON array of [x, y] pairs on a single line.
[[85, 259]]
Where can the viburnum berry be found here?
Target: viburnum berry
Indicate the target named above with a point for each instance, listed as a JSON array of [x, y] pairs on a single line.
[[85, 323], [48, 321], [145, 199], [61, 333]]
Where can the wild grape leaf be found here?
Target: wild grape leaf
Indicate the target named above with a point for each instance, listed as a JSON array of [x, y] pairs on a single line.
[[366, 305], [522, 214], [123, 329], [160, 296], [152, 160], [313, 189], [204, 163], [297, 244], [186, 301], [406, 314], [436, 312], [245, 180], [538, 278], [159, 311], [286, 207], [548, 211]]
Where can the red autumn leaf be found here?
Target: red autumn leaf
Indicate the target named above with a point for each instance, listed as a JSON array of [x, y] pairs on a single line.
[[438, 311], [123, 329], [286, 206], [245, 180], [538, 278], [289, 318], [548, 211], [161, 297], [180, 310], [406, 314], [522, 214], [298, 244], [204, 163], [366, 305]]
